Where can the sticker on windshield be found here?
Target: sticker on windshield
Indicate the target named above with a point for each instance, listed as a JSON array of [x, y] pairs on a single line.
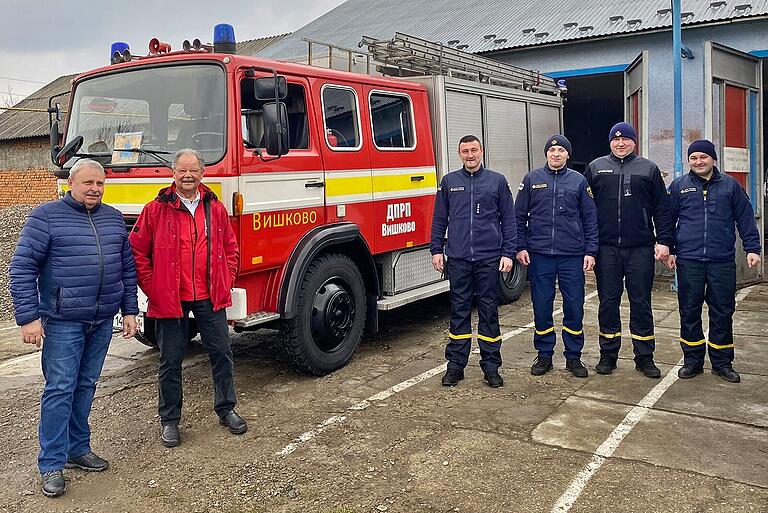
[[126, 141]]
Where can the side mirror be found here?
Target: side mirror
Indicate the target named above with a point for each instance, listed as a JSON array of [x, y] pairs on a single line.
[[54, 142], [68, 151], [264, 88], [276, 128]]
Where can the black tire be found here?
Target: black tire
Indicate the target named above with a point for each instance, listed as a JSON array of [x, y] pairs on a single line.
[[147, 336], [330, 316], [511, 284]]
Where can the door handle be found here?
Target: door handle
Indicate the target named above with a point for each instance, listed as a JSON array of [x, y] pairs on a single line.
[[417, 178], [309, 185]]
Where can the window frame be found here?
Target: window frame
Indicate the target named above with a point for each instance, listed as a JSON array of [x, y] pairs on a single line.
[[325, 125], [413, 119]]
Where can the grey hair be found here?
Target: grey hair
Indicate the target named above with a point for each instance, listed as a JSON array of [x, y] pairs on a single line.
[[188, 151], [80, 164]]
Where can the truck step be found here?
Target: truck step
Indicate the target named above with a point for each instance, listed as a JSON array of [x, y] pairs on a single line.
[[391, 302], [257, 318]]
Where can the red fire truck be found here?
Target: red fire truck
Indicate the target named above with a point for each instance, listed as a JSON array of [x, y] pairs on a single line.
[[329, 176]]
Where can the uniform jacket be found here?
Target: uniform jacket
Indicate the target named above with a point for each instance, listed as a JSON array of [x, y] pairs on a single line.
[[156, 241], [478, 211], [555, 213], [73, 264], [705, 220], [633, 207]]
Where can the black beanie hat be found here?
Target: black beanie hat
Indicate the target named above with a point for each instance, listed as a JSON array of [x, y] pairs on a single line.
[[558, 140], [703, 146], [623, 130]]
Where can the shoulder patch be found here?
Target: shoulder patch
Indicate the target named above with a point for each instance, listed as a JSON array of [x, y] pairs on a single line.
[[539, 186], [589, 191]]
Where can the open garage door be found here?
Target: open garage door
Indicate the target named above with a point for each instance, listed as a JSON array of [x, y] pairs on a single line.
[[733, 122]]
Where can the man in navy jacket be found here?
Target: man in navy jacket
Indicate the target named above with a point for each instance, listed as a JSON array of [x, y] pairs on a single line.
[[557, 239], [708, 205], [475, 205], [72, 271]]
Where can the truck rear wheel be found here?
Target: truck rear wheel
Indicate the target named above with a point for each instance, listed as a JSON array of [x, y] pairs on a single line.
[[330, 316], [149, 338], [511, 284]]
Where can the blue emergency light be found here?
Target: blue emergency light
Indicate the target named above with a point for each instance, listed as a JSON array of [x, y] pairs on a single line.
[[120, 52], [224, 38]]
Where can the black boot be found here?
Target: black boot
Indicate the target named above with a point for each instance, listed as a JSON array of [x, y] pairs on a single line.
[[645, 365], [728, 374], [576, 368], [689, 371], [494, 379], [452, 377], [607, 364], [541, 365]]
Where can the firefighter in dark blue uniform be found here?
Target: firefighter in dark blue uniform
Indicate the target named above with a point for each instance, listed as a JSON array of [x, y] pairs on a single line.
[[475, 205], [707, 205], [635, 224], [557, 240]]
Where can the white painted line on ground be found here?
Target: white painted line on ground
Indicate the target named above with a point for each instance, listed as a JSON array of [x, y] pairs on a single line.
[[19, 359], [609, 446], [385, 394], [9, 328]]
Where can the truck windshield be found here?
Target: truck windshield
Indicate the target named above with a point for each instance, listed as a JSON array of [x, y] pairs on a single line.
[[150, 112]]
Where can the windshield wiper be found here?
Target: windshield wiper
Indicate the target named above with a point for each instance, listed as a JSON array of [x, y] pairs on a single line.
[[155, 154]]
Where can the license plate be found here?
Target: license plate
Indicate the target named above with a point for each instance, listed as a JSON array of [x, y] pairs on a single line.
[[117, 323]]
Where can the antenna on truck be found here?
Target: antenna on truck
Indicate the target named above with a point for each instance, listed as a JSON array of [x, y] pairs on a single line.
[[405, 55]]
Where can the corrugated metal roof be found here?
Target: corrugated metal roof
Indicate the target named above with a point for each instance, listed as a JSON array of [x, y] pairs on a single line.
[[254, 46], [16, 124], [491, 25]]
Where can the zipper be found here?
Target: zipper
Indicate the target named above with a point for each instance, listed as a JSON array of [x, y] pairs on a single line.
[[194, 250], [621, 193], [554, 213], [705, 193], [101, 263], [472, 216]]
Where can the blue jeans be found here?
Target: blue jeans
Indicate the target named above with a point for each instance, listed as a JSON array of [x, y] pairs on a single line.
[[73, 354]]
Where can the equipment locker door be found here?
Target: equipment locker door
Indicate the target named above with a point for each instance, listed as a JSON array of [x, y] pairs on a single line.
[[733, 85]]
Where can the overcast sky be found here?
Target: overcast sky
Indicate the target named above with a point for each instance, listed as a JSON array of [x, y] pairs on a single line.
[[40, 40]]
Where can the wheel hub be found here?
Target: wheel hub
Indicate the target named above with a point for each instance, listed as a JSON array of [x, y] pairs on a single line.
[[333, 311]]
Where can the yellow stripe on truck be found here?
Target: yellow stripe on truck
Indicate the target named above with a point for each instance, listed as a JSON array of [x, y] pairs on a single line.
[[348, 186], [138, 193]]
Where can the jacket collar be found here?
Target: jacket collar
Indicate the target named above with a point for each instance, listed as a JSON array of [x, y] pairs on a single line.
[[560, 171], [169, 195], [629, 158], [476, 173], [716, 176], [72, 202]]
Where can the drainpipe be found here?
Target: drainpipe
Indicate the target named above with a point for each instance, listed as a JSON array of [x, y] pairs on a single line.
[[678, 94]]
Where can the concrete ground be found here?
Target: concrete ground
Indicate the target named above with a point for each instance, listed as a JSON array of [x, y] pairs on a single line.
[[383, 435]]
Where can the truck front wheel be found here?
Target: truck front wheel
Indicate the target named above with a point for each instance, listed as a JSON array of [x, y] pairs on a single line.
[[330, 316], [511, 284]]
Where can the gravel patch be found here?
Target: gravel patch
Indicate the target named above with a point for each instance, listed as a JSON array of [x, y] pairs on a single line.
[[12, 220]]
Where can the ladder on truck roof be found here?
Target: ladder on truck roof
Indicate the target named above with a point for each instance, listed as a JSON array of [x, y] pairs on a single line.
[[405, 55]]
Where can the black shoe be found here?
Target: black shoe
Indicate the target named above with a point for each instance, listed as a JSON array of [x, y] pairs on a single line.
[[494, 379], [647, 367], [541, 365], [606, 365], [53, 483], [689, 371], [576, 367], [234, 422], [89, 462], [728, 374], [452, 377], [169, 434]]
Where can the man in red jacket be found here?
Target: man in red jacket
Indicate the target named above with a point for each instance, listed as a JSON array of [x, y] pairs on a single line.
[[186, 261]]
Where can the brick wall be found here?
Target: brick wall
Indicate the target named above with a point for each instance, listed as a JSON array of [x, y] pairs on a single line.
[[25, 177]]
